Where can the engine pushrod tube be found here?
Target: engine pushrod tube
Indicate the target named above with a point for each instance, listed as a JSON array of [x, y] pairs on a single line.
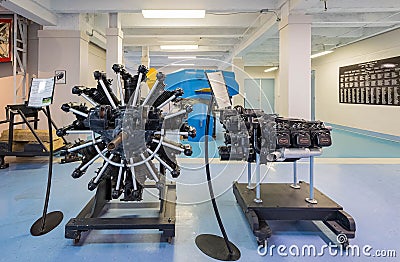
[[120, 171], [83, 145], [77, 112], [133, 174], [160, 160], [166, 102], [96, 180], [149, 168], [107, 94], [137, 90], [175, 114], [150, 93], [119, 87], [89, 99], [169, 145], [92, 160]]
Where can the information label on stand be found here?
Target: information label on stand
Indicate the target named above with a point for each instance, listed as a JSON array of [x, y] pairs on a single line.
[[373, 83], [41, 92]]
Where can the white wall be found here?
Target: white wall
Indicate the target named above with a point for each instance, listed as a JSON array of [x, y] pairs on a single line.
[[378, 118], [96, 61], [63, 50], [258, 72]]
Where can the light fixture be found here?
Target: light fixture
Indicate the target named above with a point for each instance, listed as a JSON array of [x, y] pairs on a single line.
[[271, 69], [179, 47], [321, 54], [174, 13], [182, 57]]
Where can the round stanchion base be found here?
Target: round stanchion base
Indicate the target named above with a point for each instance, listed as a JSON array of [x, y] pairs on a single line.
[[257, 200], [295, 186], [53, 219], [311, 200], [215, 247]]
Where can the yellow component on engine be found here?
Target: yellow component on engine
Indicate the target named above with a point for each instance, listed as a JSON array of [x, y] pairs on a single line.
[[151, 77], [205, 90]]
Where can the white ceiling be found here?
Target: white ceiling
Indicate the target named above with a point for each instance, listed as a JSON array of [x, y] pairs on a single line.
[[231, 27]]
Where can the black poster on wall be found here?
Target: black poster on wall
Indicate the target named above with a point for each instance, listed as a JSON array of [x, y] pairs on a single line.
[[372, 83]]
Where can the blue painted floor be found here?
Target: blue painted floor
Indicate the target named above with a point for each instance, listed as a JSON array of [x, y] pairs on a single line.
[[349, 145], [369, 192]]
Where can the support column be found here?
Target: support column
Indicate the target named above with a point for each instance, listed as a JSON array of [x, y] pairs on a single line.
[[145, 56], [294, 89], [145, 61], [114, 46], [64, 47], [238, 69]]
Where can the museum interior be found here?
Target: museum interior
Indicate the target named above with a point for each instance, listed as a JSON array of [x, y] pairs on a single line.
[[199, 130]]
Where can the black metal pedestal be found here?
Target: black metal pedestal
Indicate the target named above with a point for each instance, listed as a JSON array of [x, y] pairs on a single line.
[[28, 115], [89, 218], [282, 202]]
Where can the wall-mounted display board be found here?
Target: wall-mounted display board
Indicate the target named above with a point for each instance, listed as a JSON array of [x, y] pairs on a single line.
[[5, 40], [371, 83]]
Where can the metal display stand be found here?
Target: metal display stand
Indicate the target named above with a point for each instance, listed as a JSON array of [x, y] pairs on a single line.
[[28, 115], [285, 201], [90, 216]]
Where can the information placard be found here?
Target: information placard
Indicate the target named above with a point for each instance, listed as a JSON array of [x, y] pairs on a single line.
[[41, 92], [220, 91], [373, 83]]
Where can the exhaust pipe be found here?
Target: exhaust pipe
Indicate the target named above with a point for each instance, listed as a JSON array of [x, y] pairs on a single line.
[[293, 153]]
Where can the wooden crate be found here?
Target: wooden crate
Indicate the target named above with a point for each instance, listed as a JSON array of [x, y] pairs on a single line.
[[22, 137], [25, 135]]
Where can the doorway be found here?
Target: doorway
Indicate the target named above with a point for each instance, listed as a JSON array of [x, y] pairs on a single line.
[[260, 94]]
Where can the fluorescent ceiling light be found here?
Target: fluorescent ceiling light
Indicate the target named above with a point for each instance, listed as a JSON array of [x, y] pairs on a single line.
[[271, 69], [174, 13], [179, 47], [182, 57], [321, 54]]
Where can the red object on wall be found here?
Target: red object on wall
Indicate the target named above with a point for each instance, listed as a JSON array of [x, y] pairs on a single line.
[[5, 39]]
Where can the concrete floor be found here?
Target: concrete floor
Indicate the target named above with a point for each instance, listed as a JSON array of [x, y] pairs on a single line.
[[367, 189]]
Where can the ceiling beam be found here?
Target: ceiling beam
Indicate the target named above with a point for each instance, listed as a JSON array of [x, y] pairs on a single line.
[[268, 29], [136, 52], [201, 49], [127, 6], [346, 32], [344, 6], [354, 24], [31, 10], [242, 20], [168, 40], [355, 17], [183, 31]]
